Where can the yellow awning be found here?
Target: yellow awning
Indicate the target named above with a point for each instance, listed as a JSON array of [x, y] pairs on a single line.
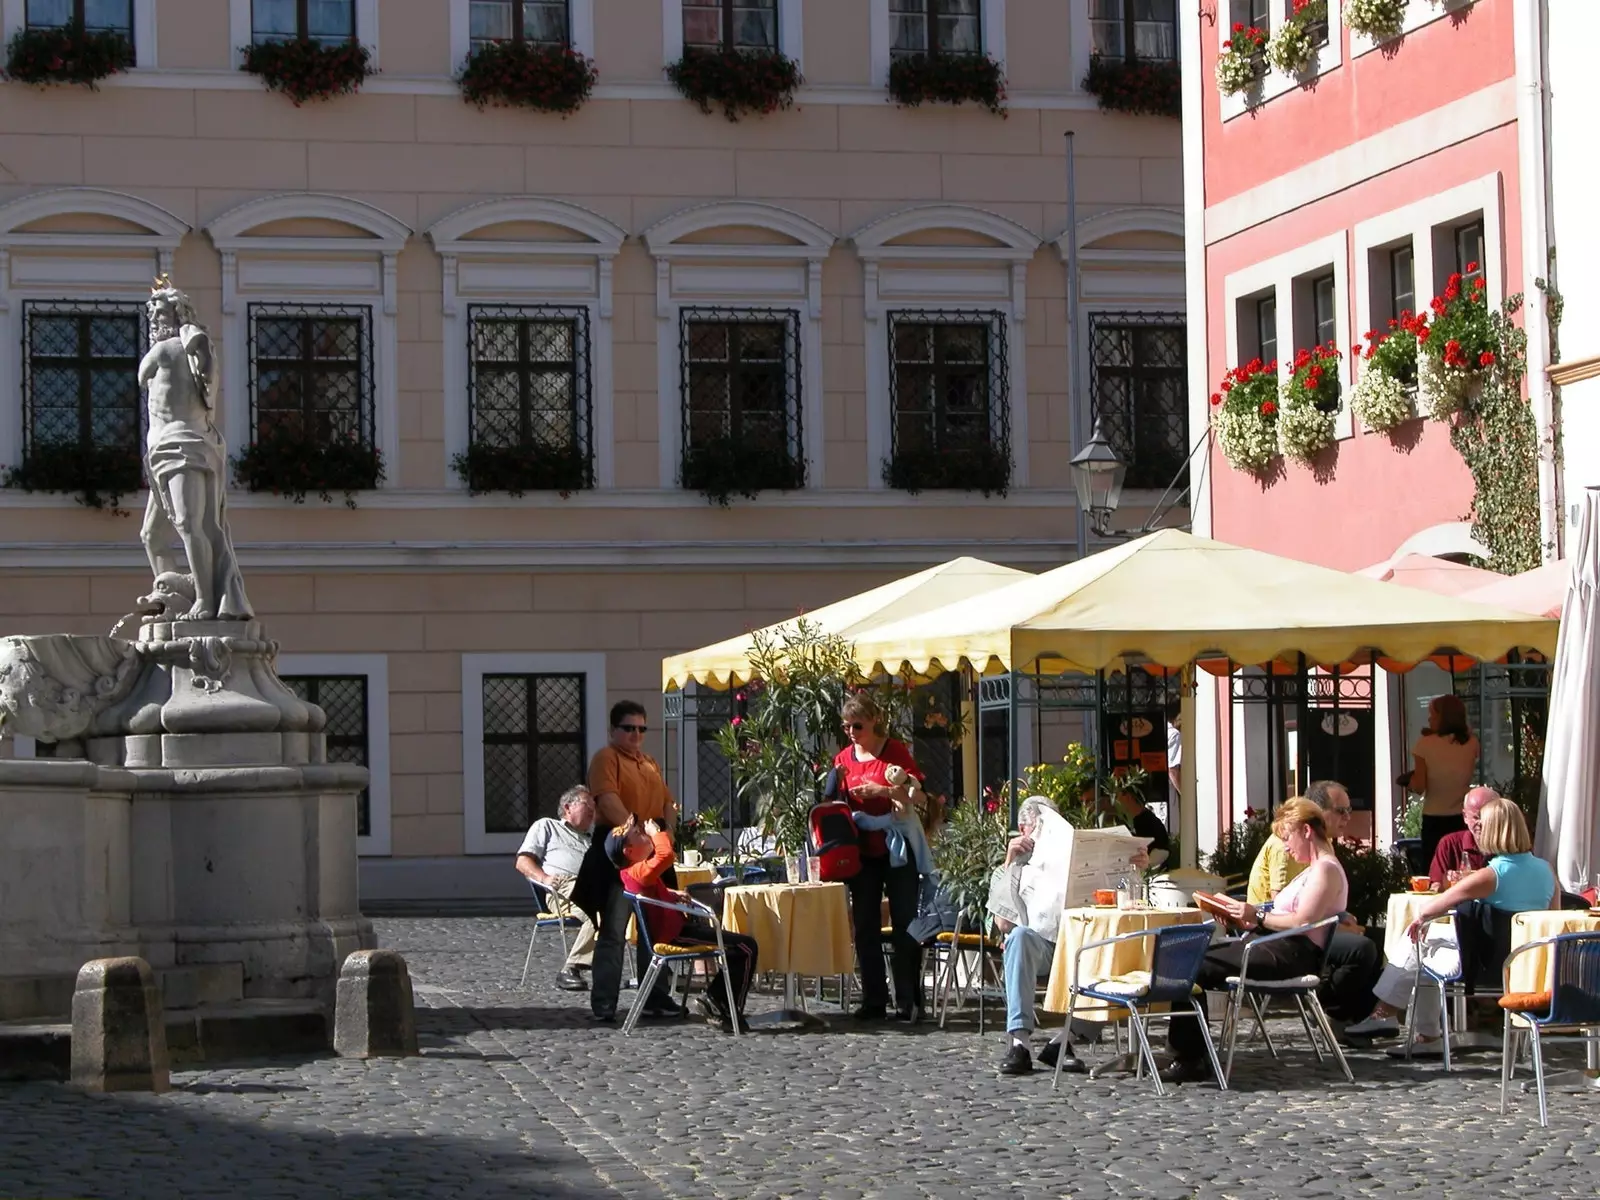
[[1171, 598], [728, 663]]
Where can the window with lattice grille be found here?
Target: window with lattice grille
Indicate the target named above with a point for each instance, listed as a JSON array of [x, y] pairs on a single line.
[[317, 20], [97, 16], [534, 746], [311, 371], [950, 422], [935, 27], [344, 699], [530, 386], [81, 374], [541, 22], [1138, 382]]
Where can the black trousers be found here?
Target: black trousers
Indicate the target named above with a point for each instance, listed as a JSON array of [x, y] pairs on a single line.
[[1276, 960], [1434, 830], [606, 976], [872, 883], [1353, 966], [741, 950]]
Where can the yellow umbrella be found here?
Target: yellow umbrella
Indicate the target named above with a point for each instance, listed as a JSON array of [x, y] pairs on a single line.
[[1171, 598], [728, 662]]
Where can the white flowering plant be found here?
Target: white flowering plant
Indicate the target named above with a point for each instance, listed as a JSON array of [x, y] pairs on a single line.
[[1377, 19], [1239, 64], [1310, 403], [1385, 395], [1244, 414], [1293, 47]]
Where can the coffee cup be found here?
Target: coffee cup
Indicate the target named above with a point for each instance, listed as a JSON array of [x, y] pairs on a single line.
[[1421, 883]]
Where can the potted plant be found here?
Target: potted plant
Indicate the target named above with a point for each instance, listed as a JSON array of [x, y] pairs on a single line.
[[740, 81], [970, 848], [303, 69], [1140, 87], [1459, 346], [513, 74], [1384, 396], [1241, 842], [916, 79], [66, 54], [525, 467], [1310, 403], [721, 467], [985, 469], [1244, 415], [99, 475], [1376, 19], [1242, 61], [1069, 785], [1373, 876], [1294, 48], [287, 461]]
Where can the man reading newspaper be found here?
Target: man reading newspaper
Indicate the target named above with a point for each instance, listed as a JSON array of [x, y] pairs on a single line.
[[1041, 876]]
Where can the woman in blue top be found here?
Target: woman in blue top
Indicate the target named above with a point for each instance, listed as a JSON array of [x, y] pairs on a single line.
[[1514, 881]]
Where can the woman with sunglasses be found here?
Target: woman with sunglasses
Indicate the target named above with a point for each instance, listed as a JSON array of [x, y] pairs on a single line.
[[860, 769]]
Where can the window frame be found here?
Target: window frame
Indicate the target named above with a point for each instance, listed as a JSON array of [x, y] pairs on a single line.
[[367, 418], [930, 17], [996, 371], [1400, 301], [791, 30], [1124, 320], [1459, 257], [1126, 25], [790, 367], [518, 24], [1321, 285], [14, 19], [313, 695], [302, 22], [1328, 56], [725, 42], [533, 737], [80, 17], [85, 311], [992, 36], [375, 668], [241, 29]]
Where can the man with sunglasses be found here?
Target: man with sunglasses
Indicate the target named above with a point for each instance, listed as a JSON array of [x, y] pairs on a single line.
[[626, 782]]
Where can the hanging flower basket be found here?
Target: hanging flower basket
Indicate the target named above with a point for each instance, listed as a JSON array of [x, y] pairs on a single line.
[[740, 81], [286, 461], [985, 469], [1242, 61], [511, 74], [523, 468], [99, 475], [1310, 404], [721, 468], [306, 70], [1293, 49], [68, 54], [1385, 395], [1244, 415], [1147, 88], [1459, 346], [1376, 19], [917, 79]]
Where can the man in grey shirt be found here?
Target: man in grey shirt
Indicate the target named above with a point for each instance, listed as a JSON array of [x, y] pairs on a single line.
[[550, 856]]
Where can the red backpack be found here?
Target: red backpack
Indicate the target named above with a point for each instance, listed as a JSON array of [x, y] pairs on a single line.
[[834, 842]]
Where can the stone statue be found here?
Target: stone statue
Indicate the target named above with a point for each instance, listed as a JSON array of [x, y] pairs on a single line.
[[186, 461]]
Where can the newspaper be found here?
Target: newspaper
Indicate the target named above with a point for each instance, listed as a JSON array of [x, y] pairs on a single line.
[[1066, 867]]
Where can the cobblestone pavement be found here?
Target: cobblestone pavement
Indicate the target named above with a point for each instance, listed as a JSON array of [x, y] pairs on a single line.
[[517, 1094]]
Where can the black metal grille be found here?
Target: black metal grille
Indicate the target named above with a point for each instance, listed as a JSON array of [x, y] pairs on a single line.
[[741, 384], [949, 381], [80, 373], [311, 371], [530, 380], [534, 746], [714, 787], [344, 699], [1138, 379]]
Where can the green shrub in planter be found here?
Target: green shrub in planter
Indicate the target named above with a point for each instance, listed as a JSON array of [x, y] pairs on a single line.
[[523, 468], [985, 469], [510, 74], [721, 468], [306, 70], [100, 475], [948, 79], [289, 462], [741, 82], [66, 54]]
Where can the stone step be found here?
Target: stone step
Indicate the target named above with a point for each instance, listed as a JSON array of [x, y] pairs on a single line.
[[40, 997], [35, 1050]]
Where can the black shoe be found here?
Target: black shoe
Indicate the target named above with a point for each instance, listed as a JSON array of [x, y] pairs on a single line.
[[871, 1012], [1184, 1070], [1017, 1061], [727, 1024], [707, 1009], [664, 1008], [568, 981], [605, 1018], [1071, 1064]]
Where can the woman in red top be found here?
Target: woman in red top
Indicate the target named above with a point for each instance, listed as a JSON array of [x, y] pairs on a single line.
[[861, 767]]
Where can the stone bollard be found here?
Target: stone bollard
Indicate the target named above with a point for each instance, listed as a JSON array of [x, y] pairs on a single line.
[[119, 1035], [373, 1015]]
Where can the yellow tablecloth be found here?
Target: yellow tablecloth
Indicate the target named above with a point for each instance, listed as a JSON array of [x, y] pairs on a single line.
[[700, 874], [1080, 926], [802, 928], [1403, 908], [1531, 972]]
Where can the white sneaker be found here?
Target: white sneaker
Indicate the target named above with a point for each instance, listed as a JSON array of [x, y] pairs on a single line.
[[1374, 1026]]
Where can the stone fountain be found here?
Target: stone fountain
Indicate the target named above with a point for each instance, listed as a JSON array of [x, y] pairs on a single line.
[[189, 815]]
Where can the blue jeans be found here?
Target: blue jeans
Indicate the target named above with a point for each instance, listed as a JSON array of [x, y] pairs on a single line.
[[1027, 956]]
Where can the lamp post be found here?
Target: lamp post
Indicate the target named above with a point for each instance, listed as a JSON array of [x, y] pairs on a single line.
[[1097, 473]]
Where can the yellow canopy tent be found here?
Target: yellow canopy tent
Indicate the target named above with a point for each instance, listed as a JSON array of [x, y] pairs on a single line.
[[1171, 599], [727, 663]]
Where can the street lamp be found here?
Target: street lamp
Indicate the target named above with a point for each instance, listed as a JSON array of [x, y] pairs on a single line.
[[1097, 473]]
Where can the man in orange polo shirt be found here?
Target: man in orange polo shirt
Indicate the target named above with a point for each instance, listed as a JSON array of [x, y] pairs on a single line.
[[625, 781]]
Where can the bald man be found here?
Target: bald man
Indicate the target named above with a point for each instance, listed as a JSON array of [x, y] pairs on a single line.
[[1458, 851]]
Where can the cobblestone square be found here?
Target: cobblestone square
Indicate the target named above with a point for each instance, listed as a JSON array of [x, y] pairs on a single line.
[[517, 1094]]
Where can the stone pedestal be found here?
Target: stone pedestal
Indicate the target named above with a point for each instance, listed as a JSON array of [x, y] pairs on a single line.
[[119, 1040], [375, 1016]]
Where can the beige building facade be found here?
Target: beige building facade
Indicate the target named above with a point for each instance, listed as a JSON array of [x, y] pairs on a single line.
[[849, 281]]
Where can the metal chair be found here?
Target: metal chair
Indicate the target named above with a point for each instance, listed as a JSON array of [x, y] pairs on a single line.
[[1572, 1003], [1438, 975], [1174, 967], [1302, 989], [545, 918], [664, 953], [949, 947]]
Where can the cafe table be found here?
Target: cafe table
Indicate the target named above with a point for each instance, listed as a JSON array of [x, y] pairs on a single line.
[[702, 873], [801, 929]]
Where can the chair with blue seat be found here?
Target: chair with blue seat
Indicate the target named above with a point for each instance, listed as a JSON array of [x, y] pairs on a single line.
[[1477, 958], [548, 917], [1302, 989], [1174, 966], [1572, 1004], [665, 954]]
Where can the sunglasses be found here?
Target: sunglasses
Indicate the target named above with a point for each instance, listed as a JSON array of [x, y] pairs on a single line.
[[634, 728]]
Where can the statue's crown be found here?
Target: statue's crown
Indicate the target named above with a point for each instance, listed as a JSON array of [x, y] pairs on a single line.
[[163, 283]]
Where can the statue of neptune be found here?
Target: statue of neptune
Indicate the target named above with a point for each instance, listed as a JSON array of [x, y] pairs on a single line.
[[186, 460]]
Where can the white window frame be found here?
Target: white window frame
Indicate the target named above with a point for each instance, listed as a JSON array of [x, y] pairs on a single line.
[[473, 668], [570, 274], [375, 669], [580, 27], [116, 267], [880, 39], [955, 279], [751, 275], [355, 271], [1281, 275], [1419, 222], [13, 18], [791, 30], [240, 25], [1275, 83], [1081, 39], [1417, 15]]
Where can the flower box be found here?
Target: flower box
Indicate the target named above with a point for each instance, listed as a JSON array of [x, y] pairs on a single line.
[[1458, 346], [306, 70], [286, 461], [721, 468], [917, 79], [1293, 49], [1376, 19], [1244, 415], [985, 469], [1147, 88], [511, 74], [740, 81], [523, 468], [1385, 396], [100, 475], [1242, 62], [66, 54], [1310, 404]]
